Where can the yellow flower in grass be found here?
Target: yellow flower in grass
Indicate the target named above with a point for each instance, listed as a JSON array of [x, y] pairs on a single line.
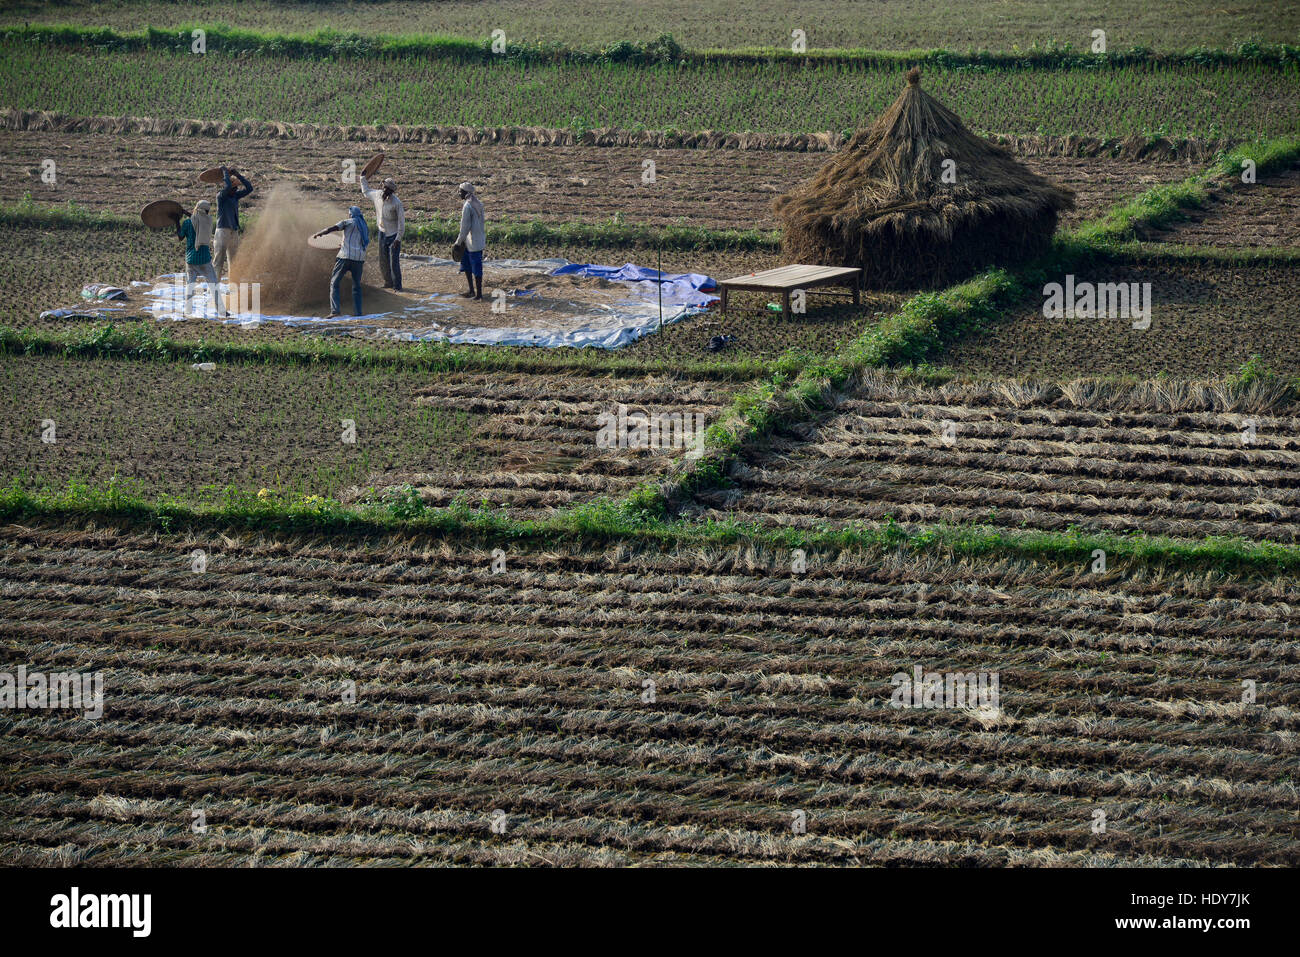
[[264, 494]]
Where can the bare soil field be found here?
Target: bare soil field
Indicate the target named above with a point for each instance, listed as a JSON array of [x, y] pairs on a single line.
[[1207, 318], [725, 188], [1265, 213], [526, 443], [622, 706], [1163, 458]]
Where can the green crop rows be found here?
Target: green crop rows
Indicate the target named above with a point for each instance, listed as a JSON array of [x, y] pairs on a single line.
[[1239, 102]]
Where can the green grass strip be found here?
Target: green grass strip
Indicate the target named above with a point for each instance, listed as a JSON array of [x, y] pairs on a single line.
[[920, 329], [608, 234], [1158, 252], [605, 521], [145, 340], [332, 44], [1167, 203], [28, 212]]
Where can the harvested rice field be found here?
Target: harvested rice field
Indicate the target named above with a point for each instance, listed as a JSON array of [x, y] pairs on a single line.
[[1262, 214], [1207, 318], [622, 705], [178, 431], [1181, 460], [721, 188], [963, 572], [547, 431], [168, 429]]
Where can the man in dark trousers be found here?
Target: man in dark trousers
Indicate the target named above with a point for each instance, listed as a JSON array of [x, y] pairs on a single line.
[[226, 241], [391, 216], [351, 257]]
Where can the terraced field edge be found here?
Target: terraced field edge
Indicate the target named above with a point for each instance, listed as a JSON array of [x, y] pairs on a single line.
[[331, 44], [611, 234], [144, 342], [607, 520], [1134, 147]]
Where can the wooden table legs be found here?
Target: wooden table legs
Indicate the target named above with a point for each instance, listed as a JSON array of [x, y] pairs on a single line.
[[724, 294]]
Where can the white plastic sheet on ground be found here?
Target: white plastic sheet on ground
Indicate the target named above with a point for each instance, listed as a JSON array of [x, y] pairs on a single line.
[[530, 319]]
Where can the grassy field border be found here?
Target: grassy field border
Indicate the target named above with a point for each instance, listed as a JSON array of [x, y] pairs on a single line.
[[607, 234], [1168, 203], [145, 341], [607, 521], [332, 44]]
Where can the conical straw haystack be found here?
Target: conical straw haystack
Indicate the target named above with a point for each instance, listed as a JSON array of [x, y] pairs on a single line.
[[919, 201]]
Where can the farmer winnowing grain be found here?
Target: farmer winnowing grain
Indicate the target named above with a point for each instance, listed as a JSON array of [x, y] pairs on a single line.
[[391, 216], [473, 239], [351, 257], [197, 233], [226, 242]]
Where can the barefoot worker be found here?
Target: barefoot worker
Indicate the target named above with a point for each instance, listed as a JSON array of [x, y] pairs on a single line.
[[391, 216], [197, 233], [226, 243], [472, 238], [351, 257]]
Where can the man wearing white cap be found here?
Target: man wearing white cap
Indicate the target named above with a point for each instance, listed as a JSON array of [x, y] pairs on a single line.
[[197, 233], [391, 215]]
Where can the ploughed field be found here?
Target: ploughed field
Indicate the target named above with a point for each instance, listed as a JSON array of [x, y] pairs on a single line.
[[1207, 318], [545, 432], [722, 188], [1264, 213], [1166, 458], [523, 441], [628, 706]]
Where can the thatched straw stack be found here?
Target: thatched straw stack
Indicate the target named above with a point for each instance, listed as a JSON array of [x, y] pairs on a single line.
[[881, 203]]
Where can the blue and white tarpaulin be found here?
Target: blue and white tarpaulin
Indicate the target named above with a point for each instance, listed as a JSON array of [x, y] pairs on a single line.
[[634, 303]]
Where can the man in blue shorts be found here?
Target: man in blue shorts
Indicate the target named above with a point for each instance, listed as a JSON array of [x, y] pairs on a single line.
[[473, 239]]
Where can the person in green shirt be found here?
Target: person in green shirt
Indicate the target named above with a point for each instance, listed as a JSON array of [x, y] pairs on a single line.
[[197, 230]]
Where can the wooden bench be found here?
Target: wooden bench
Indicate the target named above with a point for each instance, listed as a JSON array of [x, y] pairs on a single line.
[[786, 279]]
